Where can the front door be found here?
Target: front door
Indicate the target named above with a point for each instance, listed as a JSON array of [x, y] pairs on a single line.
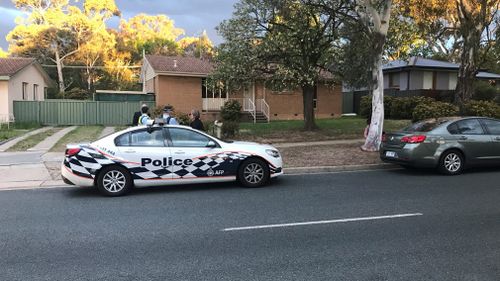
[[145, 154], [249, 97], [470, 134], [493, 130], [193, 159]]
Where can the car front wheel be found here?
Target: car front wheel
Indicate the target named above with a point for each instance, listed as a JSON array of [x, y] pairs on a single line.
[[452, 163], [114, 181], [253, 173]]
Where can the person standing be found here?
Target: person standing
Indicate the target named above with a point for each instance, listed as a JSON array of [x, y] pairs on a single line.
[[195, 120], [137, 114], [144, 119], [169, 120]]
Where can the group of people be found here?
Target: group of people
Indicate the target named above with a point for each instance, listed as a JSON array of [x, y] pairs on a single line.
[[144, 118]]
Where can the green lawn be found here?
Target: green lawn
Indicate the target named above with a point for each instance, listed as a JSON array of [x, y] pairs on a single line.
[[33, 140], [16, 129], [338, 128], [82, 134]]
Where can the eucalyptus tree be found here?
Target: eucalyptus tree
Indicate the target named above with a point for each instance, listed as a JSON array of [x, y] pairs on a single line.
[[288, 44]]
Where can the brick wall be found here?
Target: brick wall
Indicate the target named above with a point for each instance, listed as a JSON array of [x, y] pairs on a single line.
[[184, 93]]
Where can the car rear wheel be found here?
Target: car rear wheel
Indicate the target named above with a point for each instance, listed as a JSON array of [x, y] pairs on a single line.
[[452, 163], [253, 173], [114, 181]]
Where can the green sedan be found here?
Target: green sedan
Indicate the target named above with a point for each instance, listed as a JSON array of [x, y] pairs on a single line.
[[449, 144]]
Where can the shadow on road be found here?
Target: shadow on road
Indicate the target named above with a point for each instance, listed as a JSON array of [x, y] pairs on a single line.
[[93, 192], [419, 172]]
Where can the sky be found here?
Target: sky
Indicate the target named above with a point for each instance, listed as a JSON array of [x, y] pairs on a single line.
[[194, 16]]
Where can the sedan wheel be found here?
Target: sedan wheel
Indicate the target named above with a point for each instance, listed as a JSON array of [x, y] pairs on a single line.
[[114, 181], [452, 163], [253, 173]]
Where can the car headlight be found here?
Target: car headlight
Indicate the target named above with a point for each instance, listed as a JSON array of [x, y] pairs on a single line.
[[273, 153]]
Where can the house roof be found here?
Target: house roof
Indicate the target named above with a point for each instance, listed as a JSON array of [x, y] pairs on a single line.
[[418, 62], [179, 65], [10, 66]]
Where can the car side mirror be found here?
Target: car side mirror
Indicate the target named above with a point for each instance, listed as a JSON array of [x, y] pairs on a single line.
[[211, 144]]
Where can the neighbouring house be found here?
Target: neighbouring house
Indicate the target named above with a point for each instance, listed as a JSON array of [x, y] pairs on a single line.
[[181, 82], [20, 79], [417, 76]]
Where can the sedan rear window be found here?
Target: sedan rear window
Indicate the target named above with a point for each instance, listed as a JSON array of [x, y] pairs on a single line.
[[422, 126]]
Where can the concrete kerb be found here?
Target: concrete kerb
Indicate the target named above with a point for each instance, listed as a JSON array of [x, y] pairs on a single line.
[[332, 169]]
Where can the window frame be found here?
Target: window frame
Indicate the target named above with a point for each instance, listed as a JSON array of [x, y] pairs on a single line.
[[24, 90], [485, 126], [171, 143], [463, 120], [35, 91], [165, 140]]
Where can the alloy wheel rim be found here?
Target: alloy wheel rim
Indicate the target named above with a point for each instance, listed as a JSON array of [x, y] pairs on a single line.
[[114, 181], [452, 162], [253, 173]]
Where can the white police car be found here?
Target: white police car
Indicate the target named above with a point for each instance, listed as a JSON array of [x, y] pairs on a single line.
[[167, 155]]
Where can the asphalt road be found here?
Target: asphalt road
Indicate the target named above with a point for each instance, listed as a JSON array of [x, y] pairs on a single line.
[[179, 233]]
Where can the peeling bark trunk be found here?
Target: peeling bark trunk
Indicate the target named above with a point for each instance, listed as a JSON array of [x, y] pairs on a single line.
[[60, 76], [374, 138], [308, 103]]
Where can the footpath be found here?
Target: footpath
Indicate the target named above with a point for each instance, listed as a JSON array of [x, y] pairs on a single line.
[[40, 168]]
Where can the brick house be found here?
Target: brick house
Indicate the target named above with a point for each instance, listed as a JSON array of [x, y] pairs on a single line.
[[20, 79], [180, 81]]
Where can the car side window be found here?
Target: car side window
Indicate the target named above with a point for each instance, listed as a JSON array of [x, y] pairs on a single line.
[[187, 138], [467, 127], [153, 138], [123, 140], [493, 126]]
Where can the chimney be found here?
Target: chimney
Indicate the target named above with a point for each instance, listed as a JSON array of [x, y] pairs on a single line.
[[175, 63]]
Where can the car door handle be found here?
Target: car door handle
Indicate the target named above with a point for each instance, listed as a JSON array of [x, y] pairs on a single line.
[[180, 152], [497, 138], [462, 138], [129, 151]]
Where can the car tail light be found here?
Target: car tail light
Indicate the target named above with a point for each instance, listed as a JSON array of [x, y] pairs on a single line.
[[384, 137], [413, 139], [72, 151]]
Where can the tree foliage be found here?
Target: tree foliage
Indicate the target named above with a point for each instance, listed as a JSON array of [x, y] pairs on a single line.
[[3, 54], [287, 43]]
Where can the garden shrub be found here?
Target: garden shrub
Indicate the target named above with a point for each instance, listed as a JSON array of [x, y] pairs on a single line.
[[484, 91], [231, 111], [365, 106], [433, 110], [402, 107], [230, 128], [482, 108]]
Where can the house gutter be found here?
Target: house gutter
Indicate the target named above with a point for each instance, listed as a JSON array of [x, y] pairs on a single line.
[[4, 78]]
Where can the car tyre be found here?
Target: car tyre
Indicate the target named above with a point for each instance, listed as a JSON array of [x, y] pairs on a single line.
[[253, 173], [452, 162], [114, 181]]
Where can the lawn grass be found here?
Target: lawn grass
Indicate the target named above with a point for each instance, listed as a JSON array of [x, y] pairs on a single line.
[[289, 131], [82, 134], [16, 129], [33, 140]]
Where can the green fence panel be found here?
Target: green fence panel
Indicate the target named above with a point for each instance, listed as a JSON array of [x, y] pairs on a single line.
[[347, 102], [74, 112], [28, 111]]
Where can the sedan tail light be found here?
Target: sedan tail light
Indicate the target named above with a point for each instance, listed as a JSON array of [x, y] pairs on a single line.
[[384, 137], [413, 139], [72, 151]]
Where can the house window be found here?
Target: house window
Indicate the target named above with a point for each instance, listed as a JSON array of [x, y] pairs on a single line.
[[393, 80], [25, 91], [35, 92], [208, 92]]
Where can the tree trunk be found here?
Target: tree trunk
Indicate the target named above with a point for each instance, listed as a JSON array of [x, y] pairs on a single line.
[[60, 76], [468, 67], [308, 102], [374, 138]]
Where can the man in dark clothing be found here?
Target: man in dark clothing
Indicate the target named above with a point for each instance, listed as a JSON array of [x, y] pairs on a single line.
[[137, 114], [195, 120]]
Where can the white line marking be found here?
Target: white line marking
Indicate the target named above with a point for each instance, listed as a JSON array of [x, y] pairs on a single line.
[[321, 222]]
